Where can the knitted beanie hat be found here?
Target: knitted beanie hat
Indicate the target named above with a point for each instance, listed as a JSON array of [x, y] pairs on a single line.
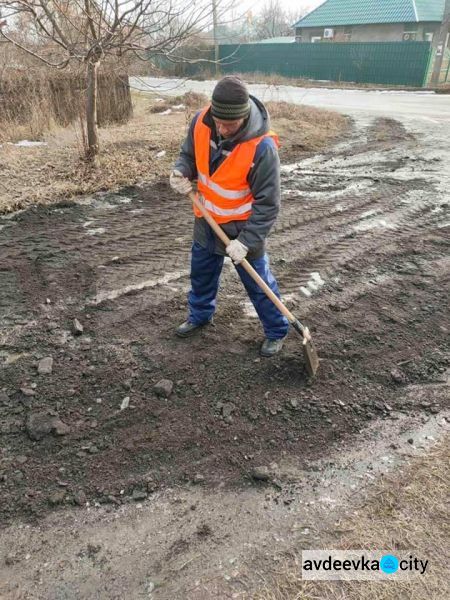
[[230, 100]]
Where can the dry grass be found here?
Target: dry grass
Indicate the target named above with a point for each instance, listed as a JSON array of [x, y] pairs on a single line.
[[129, 152], [58, 171], [191, 100], [300, 127], [36, 102], [24, 114], [408, 510]]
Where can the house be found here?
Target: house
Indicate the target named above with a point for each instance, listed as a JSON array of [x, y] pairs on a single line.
[[371, 21]]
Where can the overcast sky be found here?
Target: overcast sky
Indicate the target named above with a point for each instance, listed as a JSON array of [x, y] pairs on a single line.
[[242, 7], [296, 4], [289, 5]]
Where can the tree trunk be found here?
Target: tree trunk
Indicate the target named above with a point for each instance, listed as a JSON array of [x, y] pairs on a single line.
[[216, 40], [91, 110]]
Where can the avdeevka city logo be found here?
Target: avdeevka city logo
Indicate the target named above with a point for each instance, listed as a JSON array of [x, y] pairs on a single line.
[[360, 565], [389, 564]]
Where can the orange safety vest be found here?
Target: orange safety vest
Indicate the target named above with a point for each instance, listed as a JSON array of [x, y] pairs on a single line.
[[225, 194]]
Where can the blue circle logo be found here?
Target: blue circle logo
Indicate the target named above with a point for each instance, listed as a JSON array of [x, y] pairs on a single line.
[[389, 564]]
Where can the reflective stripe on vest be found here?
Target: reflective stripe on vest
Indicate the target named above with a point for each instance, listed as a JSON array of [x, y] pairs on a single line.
[[224, 212], [225, 193], [230, 194]]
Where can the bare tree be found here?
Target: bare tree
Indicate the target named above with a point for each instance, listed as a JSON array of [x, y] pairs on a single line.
[[60, 33], [273, 21]]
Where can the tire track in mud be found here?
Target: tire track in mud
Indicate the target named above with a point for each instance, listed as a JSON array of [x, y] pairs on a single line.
[[380, 286], [144, 247], [313, 214], [326, 255], [325, 252], [330, 226]]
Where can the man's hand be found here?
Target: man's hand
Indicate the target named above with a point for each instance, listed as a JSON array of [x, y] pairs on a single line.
[[180, 183], [236, 251]]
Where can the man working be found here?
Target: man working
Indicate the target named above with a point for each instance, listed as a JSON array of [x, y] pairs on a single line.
[[233, 155]]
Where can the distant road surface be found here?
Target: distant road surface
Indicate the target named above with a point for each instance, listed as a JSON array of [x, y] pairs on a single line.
[[423, 106]]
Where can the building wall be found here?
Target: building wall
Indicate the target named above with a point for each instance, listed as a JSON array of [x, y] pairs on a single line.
[[367, 33]]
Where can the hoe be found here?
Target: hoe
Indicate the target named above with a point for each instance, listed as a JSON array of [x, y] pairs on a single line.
[[309, 351]]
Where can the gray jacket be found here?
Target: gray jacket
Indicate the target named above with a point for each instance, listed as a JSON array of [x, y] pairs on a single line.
[[263, 179]]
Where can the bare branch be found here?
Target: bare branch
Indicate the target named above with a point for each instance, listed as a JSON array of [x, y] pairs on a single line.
[[59, 33], [60, 65]]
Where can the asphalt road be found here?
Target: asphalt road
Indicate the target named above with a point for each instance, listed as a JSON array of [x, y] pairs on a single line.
[[425, 107]]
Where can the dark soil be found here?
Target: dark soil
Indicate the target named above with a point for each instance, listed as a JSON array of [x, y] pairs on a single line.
[[119, 264]]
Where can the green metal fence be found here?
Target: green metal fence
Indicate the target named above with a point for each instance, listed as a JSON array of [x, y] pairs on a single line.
[[388, 63]]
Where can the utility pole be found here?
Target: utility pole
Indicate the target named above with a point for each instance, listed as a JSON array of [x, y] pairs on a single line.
[[216, 38], [440, 45]]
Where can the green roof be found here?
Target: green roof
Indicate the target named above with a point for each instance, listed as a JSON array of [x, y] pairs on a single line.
[[430, 10], [365, 12]]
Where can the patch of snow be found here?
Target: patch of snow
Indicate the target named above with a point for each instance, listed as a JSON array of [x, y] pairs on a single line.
[[290, 168], [368, 213], [327, 500], [316, 280], [160, 154], [95, 203], [315, 283], [179, 107], [374, 224], [165, 112], [149, 283], [289, 297], [355, 186], [29, 144], [11, 216], [249, 310], [305, 291], [97, 231]]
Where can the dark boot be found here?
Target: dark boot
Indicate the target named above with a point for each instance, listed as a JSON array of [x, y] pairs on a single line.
[[271, 347], [187, 328]]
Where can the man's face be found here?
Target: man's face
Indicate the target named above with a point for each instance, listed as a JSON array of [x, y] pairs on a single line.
[[227, 129]]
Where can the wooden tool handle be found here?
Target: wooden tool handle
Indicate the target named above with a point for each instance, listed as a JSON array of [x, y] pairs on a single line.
[[245, 264]]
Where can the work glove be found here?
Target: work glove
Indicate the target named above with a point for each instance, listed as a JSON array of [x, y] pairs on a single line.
[[179, 182], [236, 251]]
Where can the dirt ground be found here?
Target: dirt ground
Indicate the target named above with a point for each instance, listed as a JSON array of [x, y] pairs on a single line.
[[406, 508], [361, 254], [144, 149]]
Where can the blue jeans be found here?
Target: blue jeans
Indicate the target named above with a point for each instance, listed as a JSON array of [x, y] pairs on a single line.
[[206, 268]]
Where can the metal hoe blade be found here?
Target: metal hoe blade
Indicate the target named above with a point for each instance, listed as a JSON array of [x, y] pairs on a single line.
[[309, 350]]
